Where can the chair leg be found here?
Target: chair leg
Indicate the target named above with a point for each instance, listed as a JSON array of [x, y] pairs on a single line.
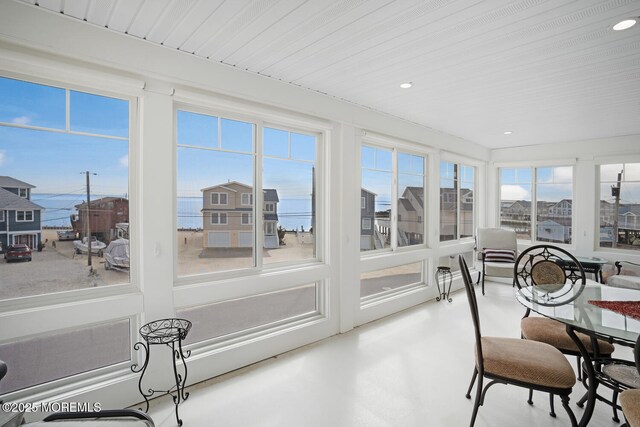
[[553, 411], [476, 404], [530, 400], [579, 359], [483, 282], [565, 405], [473, 380], [614, 405]]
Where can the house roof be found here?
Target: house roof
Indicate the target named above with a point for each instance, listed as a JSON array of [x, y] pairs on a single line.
[[10, 201], [270, 195], [8, 182], [367, 191], [417, 193], [226, 186], [406, 204], [100, 200]]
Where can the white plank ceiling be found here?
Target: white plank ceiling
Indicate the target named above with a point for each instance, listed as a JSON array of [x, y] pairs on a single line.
[[548, 70]]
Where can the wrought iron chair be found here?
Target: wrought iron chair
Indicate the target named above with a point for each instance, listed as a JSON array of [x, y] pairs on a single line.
[[497, 249], [630, 399], [620, 376], [550, 272], [514, 361]]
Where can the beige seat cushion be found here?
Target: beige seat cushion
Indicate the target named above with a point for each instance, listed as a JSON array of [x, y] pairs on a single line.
[[530, 362], [543, 329], [630, 402]]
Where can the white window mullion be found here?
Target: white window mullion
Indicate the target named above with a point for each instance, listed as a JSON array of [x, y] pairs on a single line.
[[258, 198], [394, 199], [534, 204]]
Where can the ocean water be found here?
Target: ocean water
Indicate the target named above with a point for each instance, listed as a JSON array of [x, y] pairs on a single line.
[[292, 213]]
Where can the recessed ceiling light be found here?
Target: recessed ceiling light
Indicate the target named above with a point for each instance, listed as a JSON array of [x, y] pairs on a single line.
[[406, 85], [508, 132], [625, 24]]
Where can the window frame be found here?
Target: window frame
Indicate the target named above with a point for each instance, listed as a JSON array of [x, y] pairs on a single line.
[[1, 215], [396, 146], [260, 118], [534, 166], [459, 162], [219, 197], [79, 308], [26, 192], [602, 161], [24, 212], [218, 216], [249, 197], [249, 220]]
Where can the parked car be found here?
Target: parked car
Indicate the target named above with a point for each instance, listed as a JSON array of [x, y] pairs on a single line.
[[18, 252]]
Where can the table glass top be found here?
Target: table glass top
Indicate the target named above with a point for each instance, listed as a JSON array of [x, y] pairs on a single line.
[[587, 259], [587, 316]]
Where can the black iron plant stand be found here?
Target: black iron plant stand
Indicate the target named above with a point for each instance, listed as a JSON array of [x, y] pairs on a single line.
[[170, 332], [442, 274]]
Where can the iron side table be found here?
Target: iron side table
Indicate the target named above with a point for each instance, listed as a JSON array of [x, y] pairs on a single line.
[[170, 332], [442, 274]]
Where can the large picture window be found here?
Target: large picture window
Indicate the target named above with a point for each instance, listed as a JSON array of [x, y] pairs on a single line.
[[620, 206], [64, 161], [539, 199], [456, 201], [386, 211], [217, 179]]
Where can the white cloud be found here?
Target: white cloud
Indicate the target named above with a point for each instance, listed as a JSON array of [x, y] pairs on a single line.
[[514, 192], [22, 120], [3, 157], [124, 161]]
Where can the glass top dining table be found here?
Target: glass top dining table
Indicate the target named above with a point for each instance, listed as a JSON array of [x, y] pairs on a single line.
[[582, 316], [587, 317]]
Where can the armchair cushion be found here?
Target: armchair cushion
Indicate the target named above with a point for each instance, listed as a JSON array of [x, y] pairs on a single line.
[[499, 255]]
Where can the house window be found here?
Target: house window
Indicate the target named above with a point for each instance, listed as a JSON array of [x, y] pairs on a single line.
[[23, 192], [24, 216], [247, 199], [217, 155], [290, 189], [537, 199], [363, 202], [619, 206], [366, 223], [269, 228], [218, 218], [1, 216], [395, 209], [218, 198], [247, 218], [457, 207]]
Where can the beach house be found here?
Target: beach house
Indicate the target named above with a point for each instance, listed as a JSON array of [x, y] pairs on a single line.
[[105, 214], [19, 216], [227, 216]]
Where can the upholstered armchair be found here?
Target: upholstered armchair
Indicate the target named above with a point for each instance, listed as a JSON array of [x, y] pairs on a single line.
[[497, 250]]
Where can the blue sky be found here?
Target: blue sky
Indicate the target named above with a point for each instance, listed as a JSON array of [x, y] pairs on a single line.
[[53, 161]]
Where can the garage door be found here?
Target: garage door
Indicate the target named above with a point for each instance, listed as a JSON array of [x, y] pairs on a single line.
[[245, 239], [218, 239]]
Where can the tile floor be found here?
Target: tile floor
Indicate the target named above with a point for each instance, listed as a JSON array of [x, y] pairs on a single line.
[[409, 369]]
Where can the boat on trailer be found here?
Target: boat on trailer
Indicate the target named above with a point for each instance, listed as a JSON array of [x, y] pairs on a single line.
[[82, 246]]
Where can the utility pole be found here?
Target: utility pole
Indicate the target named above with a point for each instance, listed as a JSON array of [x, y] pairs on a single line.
[[615, 192], [87, 173]]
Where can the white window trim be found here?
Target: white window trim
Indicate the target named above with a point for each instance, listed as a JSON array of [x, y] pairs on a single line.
[[1, 216], [219, 198], [534, 166], [26, 192], [249, 196], [269, 204], [363, 202], [249, 217], [366, 223], [219, 217], [25, 216]]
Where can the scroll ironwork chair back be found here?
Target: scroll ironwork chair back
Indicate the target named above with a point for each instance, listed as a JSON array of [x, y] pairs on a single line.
[[549, 275]]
